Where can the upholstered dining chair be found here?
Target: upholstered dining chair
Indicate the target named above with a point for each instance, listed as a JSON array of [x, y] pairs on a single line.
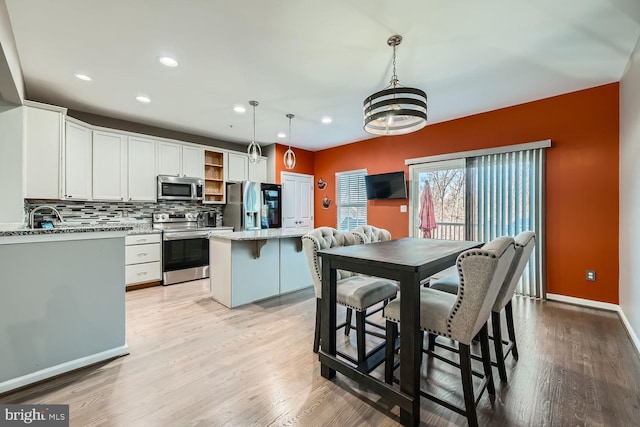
[[372, 234], [524, 243], [368, 234], [460, 317], [354, 291]]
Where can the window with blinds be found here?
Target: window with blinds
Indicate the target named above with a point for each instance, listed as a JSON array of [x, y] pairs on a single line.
[[351, 199]]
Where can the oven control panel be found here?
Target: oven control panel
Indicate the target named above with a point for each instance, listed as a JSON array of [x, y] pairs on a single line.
[[187, 216]]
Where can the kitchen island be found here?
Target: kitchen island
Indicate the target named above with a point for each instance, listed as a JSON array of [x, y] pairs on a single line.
[[63, 301], [248, 266]]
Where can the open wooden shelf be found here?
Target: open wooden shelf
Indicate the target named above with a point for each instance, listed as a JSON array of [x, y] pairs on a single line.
[[214, 177]]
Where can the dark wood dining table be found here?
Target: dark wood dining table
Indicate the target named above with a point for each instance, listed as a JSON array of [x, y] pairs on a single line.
[[408, 261]]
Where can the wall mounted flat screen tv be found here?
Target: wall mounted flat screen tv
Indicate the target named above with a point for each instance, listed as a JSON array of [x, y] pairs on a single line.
[[386, 186]]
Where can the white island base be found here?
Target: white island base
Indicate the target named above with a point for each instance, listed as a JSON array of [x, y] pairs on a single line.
[[249, 266], [63, 301]]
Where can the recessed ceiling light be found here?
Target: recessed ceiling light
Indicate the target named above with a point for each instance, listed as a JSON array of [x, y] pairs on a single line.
[[143, 99], [239, 109], [282, 135], [326, 120], [83, 77], [168, 61]]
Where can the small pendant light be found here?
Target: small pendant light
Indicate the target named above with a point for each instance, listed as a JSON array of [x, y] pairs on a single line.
[[254, 150], [289, 155]]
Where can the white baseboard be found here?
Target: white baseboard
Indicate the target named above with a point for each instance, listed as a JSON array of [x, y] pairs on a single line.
[[630, 331], [584, 302], [603, 306], [62, 368]]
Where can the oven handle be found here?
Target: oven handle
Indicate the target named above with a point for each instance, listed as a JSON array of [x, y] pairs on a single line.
[[185, 235]]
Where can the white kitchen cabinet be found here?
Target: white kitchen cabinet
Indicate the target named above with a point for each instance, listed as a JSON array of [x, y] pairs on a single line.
[[109, 166], [141, 171], [297, 201], [192, 161], [169, 159], [180, 160], [44, 133], [143, 259], [237, 167], [258, 171], [77, 162]]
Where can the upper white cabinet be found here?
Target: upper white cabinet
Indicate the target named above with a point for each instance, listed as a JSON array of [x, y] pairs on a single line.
[[180, 160], [109, 166], [141, 170], [77, 162], [258, 171], [192, 161], [237, 167], [169, 159], [44, 133]]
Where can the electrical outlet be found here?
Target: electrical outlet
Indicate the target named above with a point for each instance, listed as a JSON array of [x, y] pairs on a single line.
[[591, 275], [403, 208]]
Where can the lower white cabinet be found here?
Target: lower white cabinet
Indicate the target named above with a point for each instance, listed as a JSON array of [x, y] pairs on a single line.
[[143, 255]]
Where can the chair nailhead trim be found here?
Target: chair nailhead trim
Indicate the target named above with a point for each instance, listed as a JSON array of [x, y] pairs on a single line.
[[461, 285]]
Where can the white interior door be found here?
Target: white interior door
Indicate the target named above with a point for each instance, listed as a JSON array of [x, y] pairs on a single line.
[[297, 201]]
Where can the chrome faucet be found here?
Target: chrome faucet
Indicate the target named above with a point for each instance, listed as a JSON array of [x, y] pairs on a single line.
[[33, 212]]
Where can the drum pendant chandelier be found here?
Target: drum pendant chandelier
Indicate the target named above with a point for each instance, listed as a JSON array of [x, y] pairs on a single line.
[[253, 150], [289, 158], [395, 110]]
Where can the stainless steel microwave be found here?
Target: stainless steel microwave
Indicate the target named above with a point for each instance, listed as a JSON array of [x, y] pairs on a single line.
[[180, 188]]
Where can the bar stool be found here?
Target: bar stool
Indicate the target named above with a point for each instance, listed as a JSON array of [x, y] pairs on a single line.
[[356, 292], [524, 242], [460, 317]]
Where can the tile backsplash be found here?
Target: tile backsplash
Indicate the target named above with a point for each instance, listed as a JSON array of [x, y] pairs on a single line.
[[77, 212]]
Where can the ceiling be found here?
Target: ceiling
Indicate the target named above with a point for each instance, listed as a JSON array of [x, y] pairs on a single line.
[[312, 58]]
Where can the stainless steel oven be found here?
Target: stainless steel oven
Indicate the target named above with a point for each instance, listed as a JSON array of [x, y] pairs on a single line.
[[185, 247]]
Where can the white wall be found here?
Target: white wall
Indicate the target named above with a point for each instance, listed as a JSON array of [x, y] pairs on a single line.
[[11, 80], [630, 193], [11, 176]]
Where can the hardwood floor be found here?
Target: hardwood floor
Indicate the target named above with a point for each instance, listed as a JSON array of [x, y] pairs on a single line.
[[194, 362]]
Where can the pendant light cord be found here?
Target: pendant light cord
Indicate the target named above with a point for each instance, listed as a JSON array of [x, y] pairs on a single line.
[[254, 123], [394, 77]]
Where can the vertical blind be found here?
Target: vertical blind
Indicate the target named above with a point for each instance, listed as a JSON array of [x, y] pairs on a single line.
[[351, 200], [505, 194]]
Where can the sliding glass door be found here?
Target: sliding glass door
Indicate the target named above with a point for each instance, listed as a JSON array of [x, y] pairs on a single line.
[[481, 198], [438, 200]]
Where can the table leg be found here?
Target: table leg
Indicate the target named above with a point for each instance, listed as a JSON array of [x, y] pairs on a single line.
[[410, 346], [328, 316]]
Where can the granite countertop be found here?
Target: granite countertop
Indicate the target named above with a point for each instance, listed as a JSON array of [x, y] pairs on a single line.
[[65, 229], [259, 234], [224, 228]]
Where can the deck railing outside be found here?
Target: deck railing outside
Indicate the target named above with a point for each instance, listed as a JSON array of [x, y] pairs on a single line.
[[448, 231]]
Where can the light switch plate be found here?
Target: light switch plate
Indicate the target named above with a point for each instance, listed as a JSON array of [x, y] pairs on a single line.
[[591, 275], [403, 208]]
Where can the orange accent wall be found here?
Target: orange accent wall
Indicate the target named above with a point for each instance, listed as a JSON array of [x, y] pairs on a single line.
[[581, 178], [304, 161]]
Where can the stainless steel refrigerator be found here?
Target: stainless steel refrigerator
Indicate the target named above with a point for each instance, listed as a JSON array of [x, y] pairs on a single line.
[[252, 206]]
